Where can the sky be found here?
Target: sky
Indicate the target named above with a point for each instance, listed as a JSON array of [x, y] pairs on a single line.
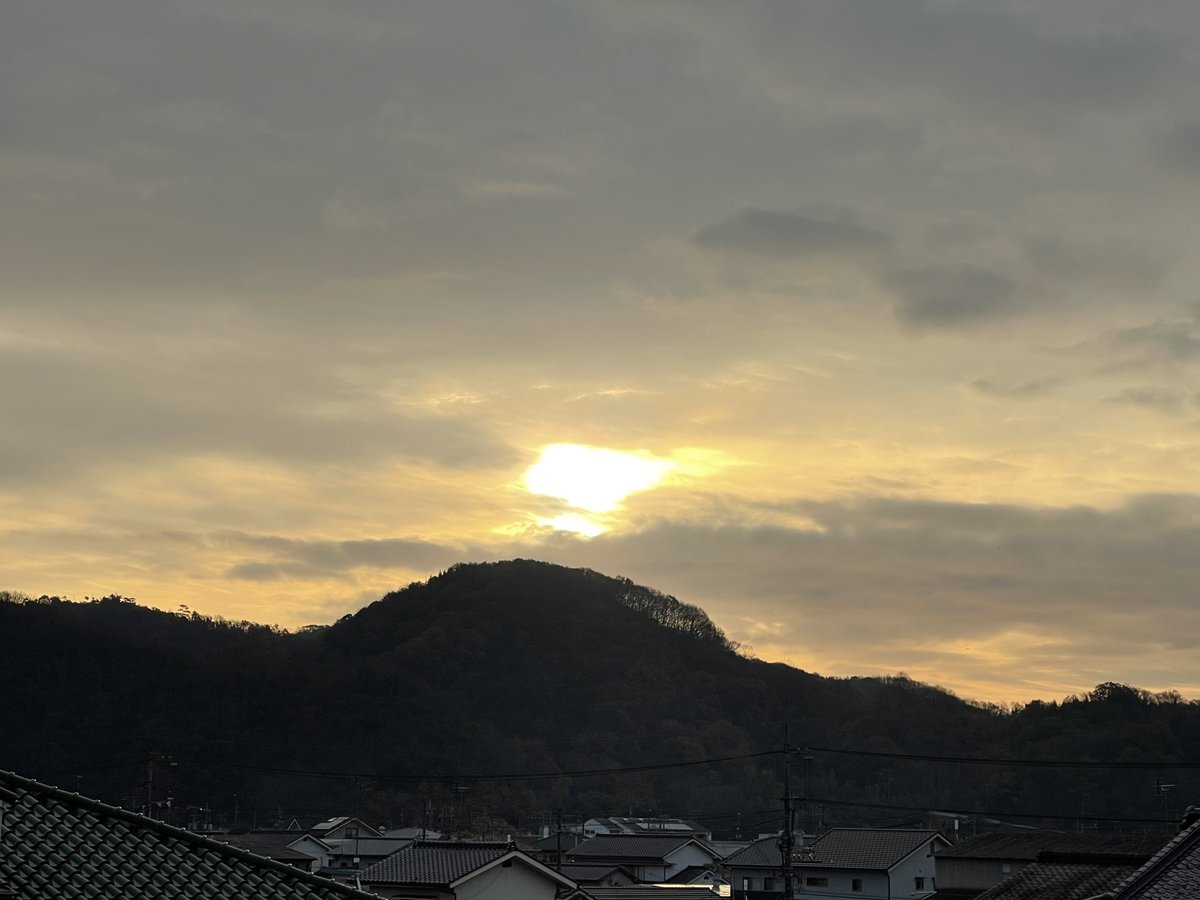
[[872, 328]]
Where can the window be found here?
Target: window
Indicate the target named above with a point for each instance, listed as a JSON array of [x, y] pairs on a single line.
[[919, 883], [816, 881], [856, 884]]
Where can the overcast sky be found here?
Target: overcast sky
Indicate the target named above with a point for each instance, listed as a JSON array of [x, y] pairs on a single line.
[[886, 311]]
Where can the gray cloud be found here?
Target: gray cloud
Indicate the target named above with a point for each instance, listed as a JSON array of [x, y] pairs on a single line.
[[778, 233], [1105, 591], [1152, 397], [1039, 387], [1159, 344], [95, 410], [293, 558], [1180, 147], [952, 297]]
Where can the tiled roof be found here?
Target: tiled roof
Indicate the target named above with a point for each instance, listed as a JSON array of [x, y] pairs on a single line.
[[763, 853], [840, 848], [631, 846], [272, 845], [1027, 845], [1171, 874], [569, 840], [439, 863], [1059, 881], [367, 846], [865, 848], [578, 872], [57, 844]]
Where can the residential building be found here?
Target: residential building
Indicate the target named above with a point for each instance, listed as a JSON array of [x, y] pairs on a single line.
[[871, 863], [650, 858], [657, 826], [442, 870]]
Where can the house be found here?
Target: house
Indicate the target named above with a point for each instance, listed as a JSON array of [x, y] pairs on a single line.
[[650, 858], [549, 848], [871, 863], [341, 828], [976, 864], [348, 857], [442, 870], [643, 825], [55, 844], [274, 845], [603, 875]]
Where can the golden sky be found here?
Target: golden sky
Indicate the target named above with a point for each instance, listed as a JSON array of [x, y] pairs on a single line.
[[871, 328]]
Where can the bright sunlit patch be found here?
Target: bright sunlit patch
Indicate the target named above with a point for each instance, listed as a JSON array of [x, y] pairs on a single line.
[[575, 524], [593, 478]]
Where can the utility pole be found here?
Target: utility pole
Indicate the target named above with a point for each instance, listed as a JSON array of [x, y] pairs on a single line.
[[155, 757], [785, 843], [558, 842]]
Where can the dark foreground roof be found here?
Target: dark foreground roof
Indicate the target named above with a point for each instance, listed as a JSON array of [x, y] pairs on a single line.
[[1171, 874], [57, 844], [1060, 881]]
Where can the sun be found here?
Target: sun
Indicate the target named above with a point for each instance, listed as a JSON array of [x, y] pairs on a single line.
[[593, 479]]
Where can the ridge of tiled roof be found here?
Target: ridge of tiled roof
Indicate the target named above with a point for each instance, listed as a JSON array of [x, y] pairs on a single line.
[[633, 846], [63, 845], [437, 863], [866, 848], [1173, 873], [840, 848]]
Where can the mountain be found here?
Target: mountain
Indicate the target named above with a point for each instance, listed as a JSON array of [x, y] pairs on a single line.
[[524, 668]]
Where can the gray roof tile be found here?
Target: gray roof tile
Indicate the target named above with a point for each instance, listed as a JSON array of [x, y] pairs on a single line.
[[840, 848], [631, 846], [1059, 881], [58, 844], [1171, 874], [1027, 845], [434, 862]]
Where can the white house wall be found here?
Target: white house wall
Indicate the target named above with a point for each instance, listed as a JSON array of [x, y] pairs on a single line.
[[841, 884], [515, 882]]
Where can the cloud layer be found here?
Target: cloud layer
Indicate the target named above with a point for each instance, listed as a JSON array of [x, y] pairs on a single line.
[[905, 292]]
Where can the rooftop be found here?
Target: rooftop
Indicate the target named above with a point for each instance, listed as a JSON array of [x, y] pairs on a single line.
[[58, 844]]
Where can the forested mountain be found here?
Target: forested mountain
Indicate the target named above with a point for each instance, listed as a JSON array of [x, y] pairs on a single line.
[[524, 668]]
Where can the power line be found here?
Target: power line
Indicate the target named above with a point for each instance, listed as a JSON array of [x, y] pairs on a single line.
[[529, 776], [984, 812], [1018, 763]]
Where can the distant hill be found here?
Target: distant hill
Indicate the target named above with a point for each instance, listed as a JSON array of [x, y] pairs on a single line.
[[521, 668]]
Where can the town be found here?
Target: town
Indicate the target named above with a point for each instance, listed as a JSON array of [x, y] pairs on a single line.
[[55, 843]]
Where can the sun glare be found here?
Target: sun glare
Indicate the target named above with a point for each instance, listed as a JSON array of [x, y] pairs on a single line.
[[575, 524], [592, 478]]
